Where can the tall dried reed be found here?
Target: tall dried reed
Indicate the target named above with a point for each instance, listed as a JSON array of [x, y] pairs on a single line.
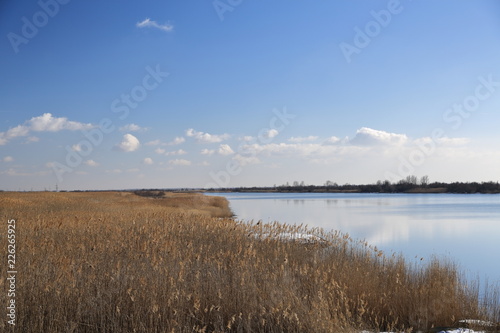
[[118, 262]]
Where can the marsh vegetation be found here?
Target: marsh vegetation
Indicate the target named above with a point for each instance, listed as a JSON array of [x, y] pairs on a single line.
[[120, 262]]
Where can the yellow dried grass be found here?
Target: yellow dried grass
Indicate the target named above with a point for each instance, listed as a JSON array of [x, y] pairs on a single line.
[[118, 262]]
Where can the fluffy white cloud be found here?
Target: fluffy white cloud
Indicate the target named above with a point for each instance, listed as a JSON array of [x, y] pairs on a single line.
[[148, 161], [177, 141], [245, 160], [160, 151], [17, 131], [247, 138], [8, 159], [76, 147], [177, 152], [301, 150], [333, 140], [43, 123], [12, 133], [132, 128], [225, 150], [49, 123], [269, 134], [129, 143], [206, 137], [303, 139], [15, 173], [207, 152], [148, 23], [180, 162], [369, 137], [444, 141], [91, 163]]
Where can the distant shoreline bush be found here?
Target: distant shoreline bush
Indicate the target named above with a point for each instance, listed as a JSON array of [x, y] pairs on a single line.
[[403, 186]]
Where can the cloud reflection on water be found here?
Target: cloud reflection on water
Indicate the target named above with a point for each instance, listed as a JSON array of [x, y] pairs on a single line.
[[463, 227]]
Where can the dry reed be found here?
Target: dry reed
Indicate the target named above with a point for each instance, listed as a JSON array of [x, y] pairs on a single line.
[[118, 262]]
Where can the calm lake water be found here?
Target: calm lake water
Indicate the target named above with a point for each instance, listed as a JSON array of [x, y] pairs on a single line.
[[462, 227]]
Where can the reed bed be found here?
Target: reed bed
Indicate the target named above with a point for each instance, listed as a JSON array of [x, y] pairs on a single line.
[[119, 262]]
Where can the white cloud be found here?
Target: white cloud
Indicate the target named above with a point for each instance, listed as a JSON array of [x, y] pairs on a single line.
[[207, 152], [160, 151], [244, 160], [91, 163], [225, 150], [303, 150], [247, 138], [17, 131], [369, 137], [43, 123], [446, 141], [14, 172], [129, 143], [177, 141], [180, 162], [206, 137], [8, 159], [177, 152], [76, 147], [148, 161], [333, 140], [153, 143], [49, 123], [148, 23], [12, 133], [132, 128], [272, 133], [303, 139]]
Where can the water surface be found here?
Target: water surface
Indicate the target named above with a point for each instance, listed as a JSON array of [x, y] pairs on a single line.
[[462, 227]]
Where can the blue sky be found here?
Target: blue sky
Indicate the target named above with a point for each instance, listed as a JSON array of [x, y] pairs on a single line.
[[124, 94]]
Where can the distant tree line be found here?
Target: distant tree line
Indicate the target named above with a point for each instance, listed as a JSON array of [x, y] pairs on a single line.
[[410, 184]]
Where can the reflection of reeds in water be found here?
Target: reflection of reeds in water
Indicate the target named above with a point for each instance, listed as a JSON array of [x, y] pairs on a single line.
[[118, 262]]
